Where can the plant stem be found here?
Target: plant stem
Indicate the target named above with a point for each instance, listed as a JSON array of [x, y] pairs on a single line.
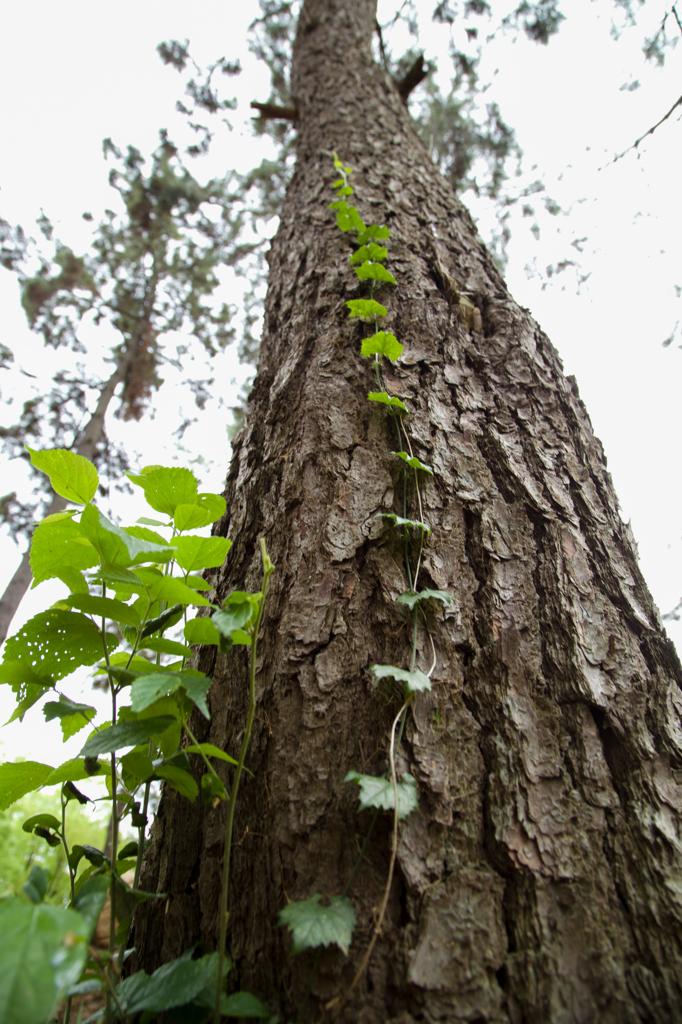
[[232, 802]]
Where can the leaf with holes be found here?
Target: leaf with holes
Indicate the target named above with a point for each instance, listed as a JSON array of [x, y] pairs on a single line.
[[57, 641], [378, 792], [411, 599], [382, 343], [413, 462], [415, 681], [313, 924], [72, 476]]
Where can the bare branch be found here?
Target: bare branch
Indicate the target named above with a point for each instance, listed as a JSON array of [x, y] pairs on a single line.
[[271, 112]]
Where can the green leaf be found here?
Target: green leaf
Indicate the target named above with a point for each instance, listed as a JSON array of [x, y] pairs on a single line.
[[383, 343], [163, 621], [347, 217], [43, 821], [91, 899], [373, 231], [413, 462], [19, 674], [74, 580], [138, 764], [125, 734], [212, 790], [129, 850], [374, 272], [179, 780], [382, 396], [43, 952], [106, 607], [173, 984], [116, 576], [312, 924], [374, 252], [59, 546], [119, 546], [17, 778], [399, 521], [198, 583], [166, 487], [201, 552], [71, 475], [207, 509], [366, 309], [415, 681], [170, 589], [58, 641], [70, 792], [210, 751], [73, 771], [147, 689], [200, 631], [161, 646], [378, 792], [35, 888], [144, 521], [73, 716], [243, 1004], [411, 599]]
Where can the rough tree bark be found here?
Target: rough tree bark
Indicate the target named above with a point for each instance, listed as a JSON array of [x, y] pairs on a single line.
[[541, 878]]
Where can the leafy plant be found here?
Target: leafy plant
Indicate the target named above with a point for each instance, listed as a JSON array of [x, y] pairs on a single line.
[[127, 587]]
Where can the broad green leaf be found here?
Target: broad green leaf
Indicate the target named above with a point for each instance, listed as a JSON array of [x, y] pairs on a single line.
[[58, 641], [201, 552], [207, 509], [161, 646], [32, 694], [106, 607], [179, 780], [366, 309], [198, 583], [347, 217], [382, 396], [415, 681], [374, 252], [74, 580], [399, 521], [73, 717], [59, 546], [91, 899], [210, 751], [35, 887], [73, 771], [116, 576], [373, 231], [201, 631], [138, 764], [125, 734], [147, 689], [243, 1004], [17, 778], [374, 272], [413, 462], [170, 589], [121, 546], [173, 984], [42, 954], [312, 925], [19, 673], [44, 821], [382, 343], [378, 792], [166, 487], [71, 475], [411, 599], [144, 533]]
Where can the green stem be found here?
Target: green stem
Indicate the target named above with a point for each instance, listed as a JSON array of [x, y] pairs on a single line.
[[72, 874], [232, 802]]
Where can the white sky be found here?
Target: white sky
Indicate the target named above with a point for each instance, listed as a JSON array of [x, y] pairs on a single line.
[[76, 72]]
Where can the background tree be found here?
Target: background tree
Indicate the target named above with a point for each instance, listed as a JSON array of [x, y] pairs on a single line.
[[150, 275], [537, 881]]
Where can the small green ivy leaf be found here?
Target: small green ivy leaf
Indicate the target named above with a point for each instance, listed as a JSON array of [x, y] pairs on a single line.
[[374, 272], [345, 191], [411, 599], [385, 399], [374, 252], [413, 462], [399, 521], [347, 217], [415, 681], [366, 309], [378, 792], [312, 925], [383, 343], [72, 476], [373, 231]]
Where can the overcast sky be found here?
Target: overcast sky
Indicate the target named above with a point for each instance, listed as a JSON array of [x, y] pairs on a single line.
[[76, 72]]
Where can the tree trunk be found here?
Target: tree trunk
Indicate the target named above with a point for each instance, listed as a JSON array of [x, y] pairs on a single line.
[[540, 880], [87, 446]]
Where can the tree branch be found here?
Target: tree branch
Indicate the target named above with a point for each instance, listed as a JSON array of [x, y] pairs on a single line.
[[414, 76], [271, 112], [635, 145]]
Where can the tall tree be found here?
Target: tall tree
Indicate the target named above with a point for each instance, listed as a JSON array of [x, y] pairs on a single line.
[[538, 881], [150, 273]]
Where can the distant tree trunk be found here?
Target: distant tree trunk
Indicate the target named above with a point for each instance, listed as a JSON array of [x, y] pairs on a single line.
[[541, 879], [87, 446]]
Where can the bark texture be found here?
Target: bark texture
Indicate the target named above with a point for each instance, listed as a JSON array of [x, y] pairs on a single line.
[[541, 880]]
